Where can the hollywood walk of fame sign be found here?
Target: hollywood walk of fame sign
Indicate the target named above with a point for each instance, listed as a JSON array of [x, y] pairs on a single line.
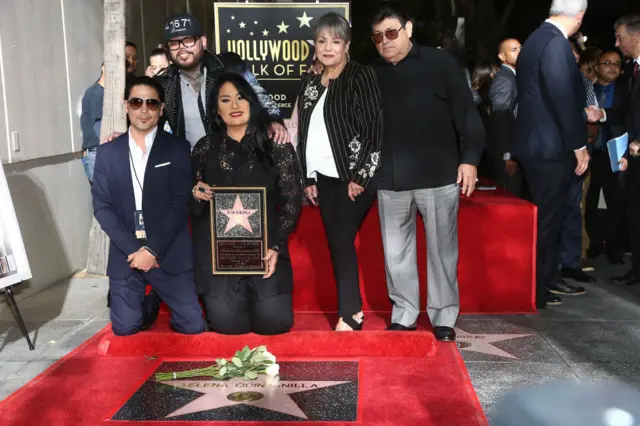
[[239, 230], [306, 391], [275, 40], [482, 343]]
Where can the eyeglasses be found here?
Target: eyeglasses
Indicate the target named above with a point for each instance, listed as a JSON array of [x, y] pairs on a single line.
[[389, 34], [611, 64], [189, 41], [136, 103]]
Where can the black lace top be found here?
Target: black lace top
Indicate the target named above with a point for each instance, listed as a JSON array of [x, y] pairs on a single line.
[[221, 161]]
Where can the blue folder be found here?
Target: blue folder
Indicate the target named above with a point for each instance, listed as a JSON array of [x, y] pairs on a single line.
[[617, 147]]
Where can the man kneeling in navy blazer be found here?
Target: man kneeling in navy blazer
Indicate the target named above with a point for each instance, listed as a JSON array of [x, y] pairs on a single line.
[[141, 188]]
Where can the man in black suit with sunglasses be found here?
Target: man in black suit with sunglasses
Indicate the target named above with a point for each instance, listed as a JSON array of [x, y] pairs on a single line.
[[141, 188]]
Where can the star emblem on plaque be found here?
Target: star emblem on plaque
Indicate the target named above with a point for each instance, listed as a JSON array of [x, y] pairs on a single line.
[[239, 230], [306, 391]]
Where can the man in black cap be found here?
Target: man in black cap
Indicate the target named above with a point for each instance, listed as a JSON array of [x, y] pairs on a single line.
[[187, 82]]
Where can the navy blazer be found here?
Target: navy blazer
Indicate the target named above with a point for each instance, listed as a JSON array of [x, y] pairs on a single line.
[[168, 182], [551, 98], [504, 96]]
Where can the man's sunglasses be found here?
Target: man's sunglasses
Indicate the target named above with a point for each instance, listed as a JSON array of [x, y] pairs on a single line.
[[389, 34], [189, 41], [136, 103]]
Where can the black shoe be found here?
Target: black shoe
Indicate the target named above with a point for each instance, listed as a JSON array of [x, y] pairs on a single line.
[[628, 279], [399, 327], [562, 288], [444, 334], [552, 299], [150, 310], [576, 274]]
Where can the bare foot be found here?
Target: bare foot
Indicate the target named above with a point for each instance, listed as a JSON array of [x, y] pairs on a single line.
[[342, 326]]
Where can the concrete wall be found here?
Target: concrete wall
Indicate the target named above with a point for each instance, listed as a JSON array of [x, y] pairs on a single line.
[[51, 51]]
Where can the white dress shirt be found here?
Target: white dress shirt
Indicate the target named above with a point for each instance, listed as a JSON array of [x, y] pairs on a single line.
[[513, 70], [319, 153], [558, 26], [138, 163]]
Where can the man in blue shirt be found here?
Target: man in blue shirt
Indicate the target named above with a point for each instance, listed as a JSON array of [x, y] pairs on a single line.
[[90, 123]]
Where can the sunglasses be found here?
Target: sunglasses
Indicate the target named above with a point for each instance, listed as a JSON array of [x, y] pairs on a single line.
[[389, 34], [186, 42], [136, 103]]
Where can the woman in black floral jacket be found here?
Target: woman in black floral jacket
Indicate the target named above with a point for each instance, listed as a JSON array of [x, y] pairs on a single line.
[[340, 136]]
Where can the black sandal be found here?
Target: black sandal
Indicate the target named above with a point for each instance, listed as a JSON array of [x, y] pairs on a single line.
[[351, 322]]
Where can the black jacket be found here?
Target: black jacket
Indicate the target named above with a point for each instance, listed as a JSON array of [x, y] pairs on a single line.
[[551, 98], [215, 65], [504, 95], [353, 116], [633, 104], [431, 124]]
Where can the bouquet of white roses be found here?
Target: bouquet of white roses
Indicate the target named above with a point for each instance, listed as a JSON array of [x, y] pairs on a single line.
[[247, 363]]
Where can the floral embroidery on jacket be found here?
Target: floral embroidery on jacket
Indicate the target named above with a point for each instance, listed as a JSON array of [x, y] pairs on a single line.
[[370, 168], [310, 95], [354, 147]]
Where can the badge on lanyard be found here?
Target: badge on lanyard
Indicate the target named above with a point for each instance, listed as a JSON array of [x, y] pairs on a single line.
[[141, 234]]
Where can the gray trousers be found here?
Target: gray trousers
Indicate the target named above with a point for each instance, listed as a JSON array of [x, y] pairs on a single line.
[[439, 210]]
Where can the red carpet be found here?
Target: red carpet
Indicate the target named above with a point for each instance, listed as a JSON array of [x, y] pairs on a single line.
[[87, 389], [496, 271]]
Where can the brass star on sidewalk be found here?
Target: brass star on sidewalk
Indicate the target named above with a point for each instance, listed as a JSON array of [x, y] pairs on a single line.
[[257, 393], [482, 343]]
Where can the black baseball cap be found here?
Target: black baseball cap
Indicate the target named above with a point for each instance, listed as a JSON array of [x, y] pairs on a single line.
[[182, 25]]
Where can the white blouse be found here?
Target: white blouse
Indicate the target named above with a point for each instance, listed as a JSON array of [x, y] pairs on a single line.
[[319, 153]]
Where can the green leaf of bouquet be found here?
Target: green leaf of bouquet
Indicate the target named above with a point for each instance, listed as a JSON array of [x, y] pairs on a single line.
[[261, 348], [223, 371], [222, 362], [236, 361], [245, 354], [250, 375]]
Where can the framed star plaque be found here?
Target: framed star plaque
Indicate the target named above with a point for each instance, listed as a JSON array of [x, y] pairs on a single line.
[[239, 230]]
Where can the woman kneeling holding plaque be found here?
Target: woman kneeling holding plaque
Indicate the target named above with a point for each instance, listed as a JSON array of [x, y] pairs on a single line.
[[247, 199]]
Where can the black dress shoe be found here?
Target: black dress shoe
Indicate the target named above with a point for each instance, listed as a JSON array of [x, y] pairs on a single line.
[[549, 299], [562, 288], [444, 334], [576, 274], [394, 326], [628, 279], [150, 310]]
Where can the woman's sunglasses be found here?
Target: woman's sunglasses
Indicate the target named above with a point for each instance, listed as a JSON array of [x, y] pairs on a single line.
[[136, 103], [389, 34]]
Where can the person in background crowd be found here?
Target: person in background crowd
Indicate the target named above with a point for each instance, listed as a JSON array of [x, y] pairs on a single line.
[[90, 121], [481, 79], [242, 154], [140, 193], [571, 233], [627, 30], [188, 81], [339, 141], [131, 55], [605, 235], [551, 137], [433, 141], [504, 96], [159, 60]]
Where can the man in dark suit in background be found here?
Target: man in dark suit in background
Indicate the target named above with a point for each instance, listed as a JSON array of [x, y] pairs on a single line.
[[628, 41], [141, 188], [551, 135], [504, 95]]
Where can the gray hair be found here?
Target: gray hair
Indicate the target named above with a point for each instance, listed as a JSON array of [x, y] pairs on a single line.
[[630, 22], [335, 24], [567, 7]]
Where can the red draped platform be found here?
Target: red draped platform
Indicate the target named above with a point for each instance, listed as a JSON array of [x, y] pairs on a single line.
[[496, 269]]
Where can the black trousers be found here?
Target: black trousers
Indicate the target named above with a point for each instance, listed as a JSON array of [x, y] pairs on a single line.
[[342, 219], [633, 211], [548, 183], [609, 233], [571, 234], [248, 314]]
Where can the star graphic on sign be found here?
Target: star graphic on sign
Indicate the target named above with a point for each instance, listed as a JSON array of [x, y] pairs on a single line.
[[251, 33], [255, 22], [282, 27], [482, 343], [242, 24], [256, 393], [238, 216], [228, 31], [233, 18], [304, 20], [265, 33]]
